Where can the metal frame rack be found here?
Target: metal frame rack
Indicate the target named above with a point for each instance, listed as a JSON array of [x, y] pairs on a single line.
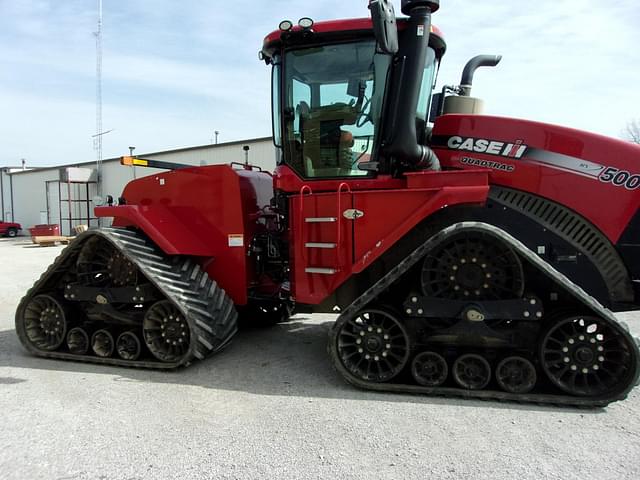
[[70, 201]]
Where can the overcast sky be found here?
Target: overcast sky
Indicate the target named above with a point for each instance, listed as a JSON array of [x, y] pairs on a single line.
[[175, 71]]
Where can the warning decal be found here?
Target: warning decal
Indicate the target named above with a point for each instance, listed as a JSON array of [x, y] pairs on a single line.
[[236, 240]]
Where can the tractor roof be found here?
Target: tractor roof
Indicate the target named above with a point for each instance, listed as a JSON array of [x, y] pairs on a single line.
[[344, 29]]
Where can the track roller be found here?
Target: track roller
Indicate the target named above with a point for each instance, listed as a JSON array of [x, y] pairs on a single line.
[[516, 375], [78, 341], [472, 372], [102, 343], [429, 369], [128, 346]]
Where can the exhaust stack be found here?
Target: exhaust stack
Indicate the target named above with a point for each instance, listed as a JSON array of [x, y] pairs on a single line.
[[464, 103], [470, 69], [401, 139]]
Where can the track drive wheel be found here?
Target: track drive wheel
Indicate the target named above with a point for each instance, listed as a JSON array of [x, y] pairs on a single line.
[[100, 263], [373, 346], [584, 356], [473, 266]]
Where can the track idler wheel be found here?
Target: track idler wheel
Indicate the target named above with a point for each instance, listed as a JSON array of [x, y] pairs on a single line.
[[373, 346], [128, 346], [102, 343], [429, 369], [584, 356], [78, 341], [166, 332], [45, 323], [472, 372], [516, 375]]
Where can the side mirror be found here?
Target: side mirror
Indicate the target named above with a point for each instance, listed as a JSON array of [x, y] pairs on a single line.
[[436, 107], [384, 25]]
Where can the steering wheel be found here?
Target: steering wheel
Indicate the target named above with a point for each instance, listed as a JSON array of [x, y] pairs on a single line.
[[364, 116], [303, 109]]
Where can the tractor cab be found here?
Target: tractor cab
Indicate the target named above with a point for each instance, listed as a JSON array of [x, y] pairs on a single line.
[[331, 107], [340, 96]]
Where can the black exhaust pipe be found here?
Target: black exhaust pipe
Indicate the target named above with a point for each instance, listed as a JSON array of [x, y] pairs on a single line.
[[470, 69], [407, 80]]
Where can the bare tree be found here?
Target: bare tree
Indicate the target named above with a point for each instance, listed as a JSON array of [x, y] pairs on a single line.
[[632, 132]]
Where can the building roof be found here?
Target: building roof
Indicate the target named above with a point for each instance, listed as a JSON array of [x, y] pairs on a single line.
[[163, 152], [226, 144], [20, 168]]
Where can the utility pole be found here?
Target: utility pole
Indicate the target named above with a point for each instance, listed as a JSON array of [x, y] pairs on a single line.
[[216, 133], [99, 133]]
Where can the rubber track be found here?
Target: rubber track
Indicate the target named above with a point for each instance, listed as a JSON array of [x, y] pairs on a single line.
[[210, 313], [562, 399]]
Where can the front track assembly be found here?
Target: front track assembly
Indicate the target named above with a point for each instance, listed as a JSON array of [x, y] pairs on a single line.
[[112, 297], [485, 318]]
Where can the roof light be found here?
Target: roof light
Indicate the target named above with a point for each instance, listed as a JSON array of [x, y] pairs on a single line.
[[286, 25], [305, 22]]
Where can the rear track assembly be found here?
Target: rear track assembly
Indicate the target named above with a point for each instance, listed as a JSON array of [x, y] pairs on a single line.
[[112, 297]]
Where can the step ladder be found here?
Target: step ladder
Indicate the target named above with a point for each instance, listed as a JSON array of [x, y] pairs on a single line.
[[313, 245]]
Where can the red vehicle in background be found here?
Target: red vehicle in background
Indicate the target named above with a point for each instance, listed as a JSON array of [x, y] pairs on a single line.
[[8, 229]]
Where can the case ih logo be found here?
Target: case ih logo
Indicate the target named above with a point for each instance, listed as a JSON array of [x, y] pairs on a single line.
[[490, 147]]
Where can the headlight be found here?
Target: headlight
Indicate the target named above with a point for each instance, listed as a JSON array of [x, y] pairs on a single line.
[[286, 25], [305, 22]]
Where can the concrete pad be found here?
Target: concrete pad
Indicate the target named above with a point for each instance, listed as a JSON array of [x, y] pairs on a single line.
[[271, 406]]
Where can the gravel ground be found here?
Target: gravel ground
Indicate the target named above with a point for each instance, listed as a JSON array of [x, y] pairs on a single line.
[[271, 406]]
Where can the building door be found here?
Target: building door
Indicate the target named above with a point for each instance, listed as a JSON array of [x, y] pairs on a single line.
[[53, 202]]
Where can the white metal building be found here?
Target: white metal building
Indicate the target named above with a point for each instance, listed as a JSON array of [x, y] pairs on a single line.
[[43, 196]]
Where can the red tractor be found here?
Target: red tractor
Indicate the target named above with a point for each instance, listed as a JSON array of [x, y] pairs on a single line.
[[471, 256]]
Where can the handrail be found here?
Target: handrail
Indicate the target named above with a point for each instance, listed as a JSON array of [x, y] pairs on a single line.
[[248, 166], [339, 220], [303, 189]]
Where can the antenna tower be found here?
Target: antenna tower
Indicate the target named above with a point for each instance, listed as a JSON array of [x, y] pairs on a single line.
[[99, 133]]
